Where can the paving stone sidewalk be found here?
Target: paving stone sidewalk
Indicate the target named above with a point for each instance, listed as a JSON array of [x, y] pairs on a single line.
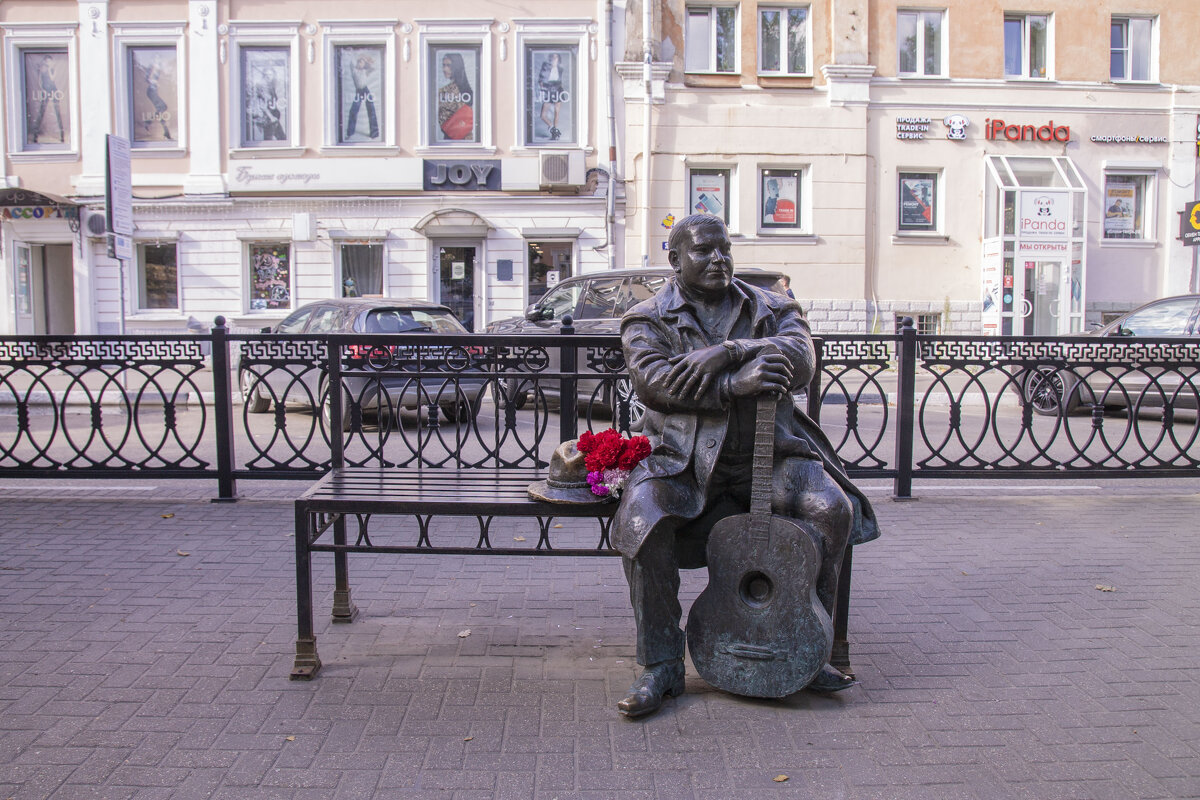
[[1038, 644]]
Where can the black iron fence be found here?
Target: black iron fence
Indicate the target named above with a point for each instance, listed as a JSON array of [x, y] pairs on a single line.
[[228, 406]]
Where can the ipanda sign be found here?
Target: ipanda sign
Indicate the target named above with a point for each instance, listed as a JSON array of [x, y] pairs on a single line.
[[998, 129]]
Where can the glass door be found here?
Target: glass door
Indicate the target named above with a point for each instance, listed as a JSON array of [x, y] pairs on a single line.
[[1045, 296], [454, 279]]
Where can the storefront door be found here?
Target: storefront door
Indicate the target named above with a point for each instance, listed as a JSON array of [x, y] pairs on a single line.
[[1043, 295], [454, 280]]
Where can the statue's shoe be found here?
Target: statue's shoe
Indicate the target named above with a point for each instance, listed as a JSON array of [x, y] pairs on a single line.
[[830, 680], [647, 693]]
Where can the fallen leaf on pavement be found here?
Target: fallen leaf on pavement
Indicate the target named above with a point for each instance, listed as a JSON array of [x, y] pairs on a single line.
[[518, 538], [468, 738], [290, 738], [1104, 588], [780, 778], [182, 553], [464, 634], [167, 516]]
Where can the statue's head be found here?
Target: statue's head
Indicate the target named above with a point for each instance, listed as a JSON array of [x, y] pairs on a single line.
[[699, 251]]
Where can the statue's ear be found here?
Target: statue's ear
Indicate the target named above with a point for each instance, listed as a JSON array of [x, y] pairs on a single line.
[[673, 258]]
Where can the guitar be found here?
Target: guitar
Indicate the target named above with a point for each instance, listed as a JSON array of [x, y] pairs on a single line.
[[758, 628]]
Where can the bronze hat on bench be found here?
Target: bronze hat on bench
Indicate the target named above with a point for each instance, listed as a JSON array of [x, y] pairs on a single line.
[[566, 482]]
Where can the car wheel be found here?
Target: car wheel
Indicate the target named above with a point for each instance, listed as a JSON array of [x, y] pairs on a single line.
[[252, 394], [463, 410], [1045, 388], [510, 392], [626, 395], [327, 411]]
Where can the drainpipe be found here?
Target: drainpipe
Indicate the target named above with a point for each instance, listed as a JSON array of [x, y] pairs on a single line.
[[647, 79], [610, 202]]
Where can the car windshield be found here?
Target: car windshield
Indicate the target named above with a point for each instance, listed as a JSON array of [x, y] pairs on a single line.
[[1161, 319], [412, 320], [559, 301]]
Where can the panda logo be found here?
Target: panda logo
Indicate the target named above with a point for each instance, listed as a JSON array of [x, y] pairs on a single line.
[[956, 125], [1044, 206]]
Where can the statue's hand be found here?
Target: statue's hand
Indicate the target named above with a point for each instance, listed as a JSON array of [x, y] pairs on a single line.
[[692, 373], [766, 372]]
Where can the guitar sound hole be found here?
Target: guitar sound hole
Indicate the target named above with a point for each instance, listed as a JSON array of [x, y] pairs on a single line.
[[756, 589]]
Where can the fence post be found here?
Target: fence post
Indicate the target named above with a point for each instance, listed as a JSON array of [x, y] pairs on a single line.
[[335, 397], [814, 384], [906, 403], [223, 412], [568, 412]]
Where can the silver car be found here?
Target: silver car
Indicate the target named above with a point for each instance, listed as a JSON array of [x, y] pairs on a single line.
[[392, 383]]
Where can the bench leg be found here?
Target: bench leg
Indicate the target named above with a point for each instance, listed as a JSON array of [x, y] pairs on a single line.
[[307, 661], [841, 645], [344, 609]]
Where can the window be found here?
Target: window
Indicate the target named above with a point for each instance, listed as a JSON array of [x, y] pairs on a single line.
[[158, 277], [926, 324], [46, 94], [549, 263], [780, 193], [600, 299], [1125, 200], [362, 270], [1132, 53], [919, 42], [551, 111], [917, 207], [710, 40], [153, 96], [560, 300], [1026, 45], [783, 41], [266, 87], [454, 72], [1169, 318], [709, 192], [295, 323], [270, 276], [361, 93]]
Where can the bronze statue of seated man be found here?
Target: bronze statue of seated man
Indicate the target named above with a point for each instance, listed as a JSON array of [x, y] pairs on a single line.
[[699, 354]]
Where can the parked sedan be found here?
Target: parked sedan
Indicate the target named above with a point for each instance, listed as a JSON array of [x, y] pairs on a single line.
[[393, 383], [1048, 389]]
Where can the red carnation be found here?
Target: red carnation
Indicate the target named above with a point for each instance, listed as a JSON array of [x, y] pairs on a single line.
[[637, 448], [586, 442]]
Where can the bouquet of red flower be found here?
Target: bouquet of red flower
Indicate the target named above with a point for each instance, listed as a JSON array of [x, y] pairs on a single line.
[[609, 459]]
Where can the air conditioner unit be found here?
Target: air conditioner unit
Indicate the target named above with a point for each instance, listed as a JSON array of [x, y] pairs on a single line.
[[562, 168], [92, 222]]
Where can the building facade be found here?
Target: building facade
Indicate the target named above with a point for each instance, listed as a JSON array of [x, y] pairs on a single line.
[[984, 170], [288, 152]]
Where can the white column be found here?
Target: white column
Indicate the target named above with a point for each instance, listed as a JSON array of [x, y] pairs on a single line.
[[205, 117], [95, 95]]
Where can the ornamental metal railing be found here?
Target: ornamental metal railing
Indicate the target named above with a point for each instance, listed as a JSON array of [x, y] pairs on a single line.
[[226, 406]]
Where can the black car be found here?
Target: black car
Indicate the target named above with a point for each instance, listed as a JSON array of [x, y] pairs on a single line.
[[263, 386]]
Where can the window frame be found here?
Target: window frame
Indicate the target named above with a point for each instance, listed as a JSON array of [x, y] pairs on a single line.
[[245, 36], [248, 276], [1148, 179], [1026, 49], [466, 34], [22, 37], [785, 29], [698, 170], [1151, 57], [355, 240], [542, 34], [337, 35], [801, 226], [128, 37], [921, 13], [139, 289], [935, 225], [711, 45]]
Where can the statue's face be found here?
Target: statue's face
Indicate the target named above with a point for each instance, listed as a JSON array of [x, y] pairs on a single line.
[[703, 261]]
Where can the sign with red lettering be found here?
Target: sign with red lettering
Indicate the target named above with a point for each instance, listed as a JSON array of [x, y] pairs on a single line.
[[999, 129], [1044, 214]]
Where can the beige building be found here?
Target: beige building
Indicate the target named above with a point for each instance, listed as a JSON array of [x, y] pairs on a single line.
[[983, 168], [287, 152]]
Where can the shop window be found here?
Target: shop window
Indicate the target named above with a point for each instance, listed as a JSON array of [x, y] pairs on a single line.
[[1125, 198], [783, 41], [152, 87], [919, 43], [1132, 53], [158, 277], [45, 91], [453, 93], [710, 39], [551, 89], [360, 96], [362, 270], [917, 203], [270, 265], [709, 192], [549, 264], [780, 193], [1027, 45], [265, 89]]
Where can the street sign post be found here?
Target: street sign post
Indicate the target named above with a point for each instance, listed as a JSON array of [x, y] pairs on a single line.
[[118, 208]]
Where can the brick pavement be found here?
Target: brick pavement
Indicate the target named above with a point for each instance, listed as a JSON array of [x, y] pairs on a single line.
[[991, 665]]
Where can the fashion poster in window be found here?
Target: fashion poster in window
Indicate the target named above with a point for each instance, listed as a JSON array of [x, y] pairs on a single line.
[[266, 87], [153, 96], [781, 199], [270, 277], [47, 99], [917, 203], [549, 95], [455, 72], [360, 94]]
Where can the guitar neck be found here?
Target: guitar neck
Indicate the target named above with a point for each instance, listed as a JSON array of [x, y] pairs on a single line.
[[764, 457]]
